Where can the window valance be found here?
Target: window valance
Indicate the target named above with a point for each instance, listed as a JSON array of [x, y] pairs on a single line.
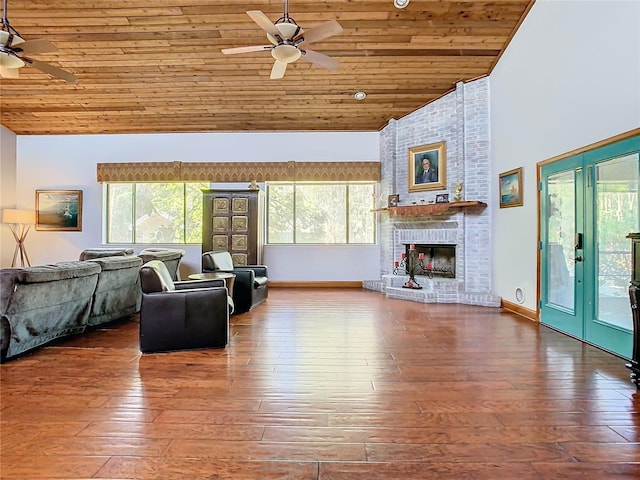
[[224, 172]]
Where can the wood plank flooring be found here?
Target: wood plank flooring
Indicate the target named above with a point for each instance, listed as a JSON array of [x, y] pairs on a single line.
[[329, 384]]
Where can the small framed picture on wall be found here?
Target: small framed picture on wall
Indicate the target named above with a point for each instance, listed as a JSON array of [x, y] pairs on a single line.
[[511, 188], [394, 200], [59, 210]]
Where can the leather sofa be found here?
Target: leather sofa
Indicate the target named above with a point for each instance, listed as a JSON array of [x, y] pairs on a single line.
[[181, 315], [251, 285]]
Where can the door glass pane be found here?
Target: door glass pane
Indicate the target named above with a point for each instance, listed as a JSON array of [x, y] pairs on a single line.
[[561, 228], [616, 216]]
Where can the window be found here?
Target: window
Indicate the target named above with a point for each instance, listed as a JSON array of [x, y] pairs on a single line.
[[154, 212], [320, 213]]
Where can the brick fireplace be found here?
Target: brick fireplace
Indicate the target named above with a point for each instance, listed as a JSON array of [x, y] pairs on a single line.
[[469, 272], [460, 119]]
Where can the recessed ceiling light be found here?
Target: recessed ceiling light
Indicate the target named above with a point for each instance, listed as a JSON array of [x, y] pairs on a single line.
[[400, 3], [360, 95]]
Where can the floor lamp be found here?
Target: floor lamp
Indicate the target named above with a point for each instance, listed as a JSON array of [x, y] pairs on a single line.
[[20, 222]]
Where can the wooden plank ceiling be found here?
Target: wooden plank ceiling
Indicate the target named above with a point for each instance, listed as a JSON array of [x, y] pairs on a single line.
[[156, 65]]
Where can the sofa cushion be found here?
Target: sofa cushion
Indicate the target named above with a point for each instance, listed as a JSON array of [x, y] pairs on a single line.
[[100, 252], [117, 263], [51, 272], [162, 254]]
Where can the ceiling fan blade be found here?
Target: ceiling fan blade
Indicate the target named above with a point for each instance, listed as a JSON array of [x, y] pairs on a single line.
[[263, 22], [51, 70], [321, 32], [320, 59], [255, 48], [278, 70], [9, 72], [39, 45]]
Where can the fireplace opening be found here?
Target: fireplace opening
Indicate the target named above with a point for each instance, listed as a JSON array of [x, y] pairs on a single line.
[[439, 259]]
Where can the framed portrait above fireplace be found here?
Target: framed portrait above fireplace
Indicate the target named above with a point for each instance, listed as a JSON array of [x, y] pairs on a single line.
[[428, 167]]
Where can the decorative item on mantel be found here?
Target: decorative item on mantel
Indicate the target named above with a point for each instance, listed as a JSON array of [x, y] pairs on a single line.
[[254, 185], [457, 197], [410, 264]]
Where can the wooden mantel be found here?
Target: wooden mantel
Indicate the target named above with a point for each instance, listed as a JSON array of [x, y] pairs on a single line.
[[429, 209]]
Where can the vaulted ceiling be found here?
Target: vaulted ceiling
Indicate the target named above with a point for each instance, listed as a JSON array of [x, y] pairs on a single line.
[[156, 65]]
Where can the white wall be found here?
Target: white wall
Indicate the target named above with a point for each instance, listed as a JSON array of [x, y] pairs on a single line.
[[7, 192], [69, 162], [569, 78]]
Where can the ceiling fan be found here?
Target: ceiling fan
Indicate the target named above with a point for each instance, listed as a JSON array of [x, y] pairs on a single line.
[[288, 41], [13, 49]]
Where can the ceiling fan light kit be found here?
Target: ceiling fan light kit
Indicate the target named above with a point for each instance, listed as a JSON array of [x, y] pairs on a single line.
[[8, 59], [287, 39], [13, 47], [286, 53]]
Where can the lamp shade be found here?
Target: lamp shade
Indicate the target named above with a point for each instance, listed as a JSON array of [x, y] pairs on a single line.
[[13, 215]]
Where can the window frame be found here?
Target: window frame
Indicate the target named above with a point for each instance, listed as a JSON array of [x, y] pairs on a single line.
[[107, 203], [347, 184]]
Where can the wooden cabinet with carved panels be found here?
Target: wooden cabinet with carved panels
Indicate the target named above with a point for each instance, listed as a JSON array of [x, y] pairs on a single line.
[[233, 221]]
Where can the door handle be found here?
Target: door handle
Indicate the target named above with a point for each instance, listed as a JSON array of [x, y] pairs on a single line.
[[577, 259]]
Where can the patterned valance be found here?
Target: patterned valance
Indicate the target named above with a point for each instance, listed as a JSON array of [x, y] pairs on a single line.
[[139, 172], [237, 172], [337, 171], [226, 172]]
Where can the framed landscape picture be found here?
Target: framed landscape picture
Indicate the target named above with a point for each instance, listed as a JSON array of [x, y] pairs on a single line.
[[427, 167], [59, 210], [511, 188]]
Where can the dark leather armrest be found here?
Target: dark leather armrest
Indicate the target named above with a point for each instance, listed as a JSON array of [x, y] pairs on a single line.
[[197, 296], [259, 270], [206, 283]]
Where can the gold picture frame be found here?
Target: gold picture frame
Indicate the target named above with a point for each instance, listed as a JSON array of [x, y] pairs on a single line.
[[59, 210], [510, 188], [428, 167]]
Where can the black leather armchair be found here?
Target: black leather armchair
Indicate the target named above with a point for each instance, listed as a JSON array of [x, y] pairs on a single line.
[[181, 315], [251, 286]]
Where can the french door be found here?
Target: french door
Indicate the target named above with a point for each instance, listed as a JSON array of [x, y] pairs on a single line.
[[589, 203]]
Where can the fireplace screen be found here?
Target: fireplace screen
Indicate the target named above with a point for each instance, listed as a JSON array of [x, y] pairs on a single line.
[[440, 260]]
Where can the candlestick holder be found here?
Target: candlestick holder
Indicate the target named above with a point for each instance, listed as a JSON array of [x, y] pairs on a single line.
[[410, 264]]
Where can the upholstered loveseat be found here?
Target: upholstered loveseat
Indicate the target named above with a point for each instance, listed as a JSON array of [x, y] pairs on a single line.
[[41, 303]]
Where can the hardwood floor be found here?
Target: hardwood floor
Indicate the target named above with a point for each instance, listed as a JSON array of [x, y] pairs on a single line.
[[326, 384]]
